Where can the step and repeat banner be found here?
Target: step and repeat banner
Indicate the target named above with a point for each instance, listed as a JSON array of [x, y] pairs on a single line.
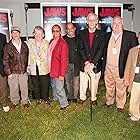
[[54, 13], [5, 22]]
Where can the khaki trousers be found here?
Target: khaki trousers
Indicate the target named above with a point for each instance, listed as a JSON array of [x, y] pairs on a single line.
[[115, 88], [20, 81], [90, 81], [134, 107]]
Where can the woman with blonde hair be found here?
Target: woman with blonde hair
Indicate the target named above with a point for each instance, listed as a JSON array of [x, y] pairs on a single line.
[[38, 65]]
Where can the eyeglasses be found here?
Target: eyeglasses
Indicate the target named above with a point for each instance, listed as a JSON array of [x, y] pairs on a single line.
[[55, 31], [92, 20]]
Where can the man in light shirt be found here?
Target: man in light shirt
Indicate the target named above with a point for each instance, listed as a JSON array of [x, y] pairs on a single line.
[[15, 60], [117, 46]]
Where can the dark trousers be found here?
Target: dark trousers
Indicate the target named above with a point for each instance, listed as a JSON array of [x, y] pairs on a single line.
[[41, 87], [3, 91]]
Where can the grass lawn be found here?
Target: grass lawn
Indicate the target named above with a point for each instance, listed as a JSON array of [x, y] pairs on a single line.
[[49, 123]]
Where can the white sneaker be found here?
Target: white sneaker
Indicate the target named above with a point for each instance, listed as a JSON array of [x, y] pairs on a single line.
[[6, 108], [133, 118]]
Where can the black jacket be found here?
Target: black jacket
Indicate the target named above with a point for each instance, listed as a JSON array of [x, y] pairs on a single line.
[[95, 53]]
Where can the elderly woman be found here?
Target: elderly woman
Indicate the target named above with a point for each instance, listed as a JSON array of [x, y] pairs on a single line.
[[38, 65]]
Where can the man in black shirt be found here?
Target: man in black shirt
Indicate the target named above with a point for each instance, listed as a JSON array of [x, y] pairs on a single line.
[[72, 75]]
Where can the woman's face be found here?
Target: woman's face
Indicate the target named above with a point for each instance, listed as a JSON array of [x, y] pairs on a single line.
[[56, 32], [39, 35]]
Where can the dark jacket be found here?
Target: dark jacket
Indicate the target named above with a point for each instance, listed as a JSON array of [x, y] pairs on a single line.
[[129, 40], [95, 53], [15, 62], [2, 44], [75, 55]]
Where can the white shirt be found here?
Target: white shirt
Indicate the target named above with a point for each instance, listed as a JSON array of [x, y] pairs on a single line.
[[116, 36], [18, 47]]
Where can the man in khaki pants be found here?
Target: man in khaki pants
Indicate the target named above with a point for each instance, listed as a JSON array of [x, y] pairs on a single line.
[[118, 44], [132, 75], [91, 44]]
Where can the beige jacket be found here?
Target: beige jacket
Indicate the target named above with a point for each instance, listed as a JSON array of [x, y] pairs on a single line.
[[130, 66], [40, 57]]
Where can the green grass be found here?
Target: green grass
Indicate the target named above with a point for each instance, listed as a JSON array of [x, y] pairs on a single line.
[[49, 123]]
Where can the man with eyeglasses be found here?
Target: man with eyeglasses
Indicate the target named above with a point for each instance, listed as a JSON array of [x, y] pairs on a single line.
[[91, 50]]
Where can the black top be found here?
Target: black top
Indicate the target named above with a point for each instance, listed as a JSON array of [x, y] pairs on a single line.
[[73, 52], [72, 45], [95, 53]]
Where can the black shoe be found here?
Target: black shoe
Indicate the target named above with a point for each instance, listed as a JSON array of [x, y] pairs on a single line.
[[107, 105], [64, 108], [75, 100], [69, 100]]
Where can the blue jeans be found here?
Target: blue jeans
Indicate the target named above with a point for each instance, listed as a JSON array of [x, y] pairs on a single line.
[[58, 91], [72, 82]]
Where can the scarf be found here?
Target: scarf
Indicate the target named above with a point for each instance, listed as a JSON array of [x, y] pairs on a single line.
[[50, 50]]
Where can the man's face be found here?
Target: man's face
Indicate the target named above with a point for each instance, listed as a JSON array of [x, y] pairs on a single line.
[[56, 32], [92, 22], [70, 29], [117, 25], [15, 35]]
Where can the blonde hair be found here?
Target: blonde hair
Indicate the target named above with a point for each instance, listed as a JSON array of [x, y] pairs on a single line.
[[38, 27], [92, 14]]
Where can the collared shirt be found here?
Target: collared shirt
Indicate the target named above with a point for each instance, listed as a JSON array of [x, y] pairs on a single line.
[[116, 36], [18, 46], [113, 51], [91, 31]]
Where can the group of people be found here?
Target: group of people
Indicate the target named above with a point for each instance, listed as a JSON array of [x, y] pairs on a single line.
[[72, 64]]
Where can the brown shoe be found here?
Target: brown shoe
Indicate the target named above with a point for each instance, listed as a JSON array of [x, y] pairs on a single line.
[[120, 110], [81, 102], [26, 105], [94, 103], [13, 106]]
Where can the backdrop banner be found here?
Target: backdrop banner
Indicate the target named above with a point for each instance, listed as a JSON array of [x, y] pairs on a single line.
[[53, 15], [78, 16], [5, 22], [106, 14]]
